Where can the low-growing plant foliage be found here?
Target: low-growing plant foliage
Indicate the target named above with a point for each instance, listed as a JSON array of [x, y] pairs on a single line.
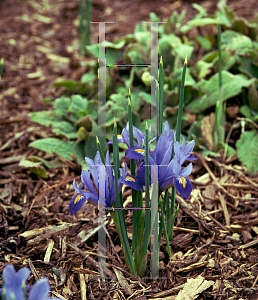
[[74, 118]]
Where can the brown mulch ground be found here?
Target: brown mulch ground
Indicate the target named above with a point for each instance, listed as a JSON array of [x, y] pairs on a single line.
[[216, 229]]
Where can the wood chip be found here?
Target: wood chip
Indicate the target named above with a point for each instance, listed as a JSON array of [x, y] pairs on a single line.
[[48, 253], [225, 209]]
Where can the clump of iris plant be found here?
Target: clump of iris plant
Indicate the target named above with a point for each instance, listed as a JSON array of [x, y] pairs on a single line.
[[14, 287], [101, 188], [170, 170]]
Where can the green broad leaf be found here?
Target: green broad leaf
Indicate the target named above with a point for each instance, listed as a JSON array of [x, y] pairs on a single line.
[[78, 107], [92, 108], [62, 148], [230, 151], [119, 99], [202, 22], [114, 112], [209, 57], [247, 150], [224, 14], [178, 48], [208, 152], [177, 77], [63, 128], [154, 17], [228, 59], [202, 69], [135, 54], [204, 42], [44, 117], [235, 41], [253, 97], [183, 50], [93, 50], [67, 83], [34, 167], [140, 27], [26, 163], [119, 45], [174, 22], [136, 101], [112, 55], [146, 97], [55, 163], [113, 51], [61, 106], [228, 18], [165, 51], [89, 78], [144, 39], [202, 11], [248, 65], [60, 127], [209, 92], [246, 111]]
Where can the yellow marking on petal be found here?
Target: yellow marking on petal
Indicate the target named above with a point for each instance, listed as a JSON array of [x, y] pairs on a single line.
[[77, 198], [139, 150], [183, 182], [130, 178], [119, 136]]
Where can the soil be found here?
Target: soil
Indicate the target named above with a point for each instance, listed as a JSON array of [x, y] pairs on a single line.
[[216, 228]]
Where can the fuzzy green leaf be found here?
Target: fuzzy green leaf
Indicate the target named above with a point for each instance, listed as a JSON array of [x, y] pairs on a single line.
[[63, 148], [247, 150], [231, 86]]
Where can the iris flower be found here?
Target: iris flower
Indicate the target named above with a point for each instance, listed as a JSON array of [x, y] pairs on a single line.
[[40, 290], [170, 172], [125, 137], [14, 285], [91, 192], [185, 151]]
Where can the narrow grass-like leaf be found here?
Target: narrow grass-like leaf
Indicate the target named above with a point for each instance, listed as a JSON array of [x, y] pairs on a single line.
[[136, 214], [165, 228], [119, 203], [171, 222], [181, 103], [154, 225], [1, 67], [147, 193], [100, 150], [219, 126], [161, 85], [173, 202], [87, 31]]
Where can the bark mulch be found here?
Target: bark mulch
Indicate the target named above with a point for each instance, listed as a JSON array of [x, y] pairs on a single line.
[[215, 237]]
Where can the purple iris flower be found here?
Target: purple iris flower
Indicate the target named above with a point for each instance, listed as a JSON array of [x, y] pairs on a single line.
[[14, 285], [91, 193], [185, 151], [125, 136], [40, 290], [169, 172]]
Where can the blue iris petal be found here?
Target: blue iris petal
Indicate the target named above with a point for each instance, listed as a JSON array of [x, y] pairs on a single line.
[[102, 177]]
